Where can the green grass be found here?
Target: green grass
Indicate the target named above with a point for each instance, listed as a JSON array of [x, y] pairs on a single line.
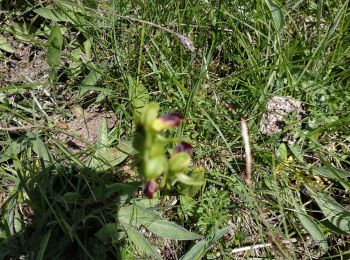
[[59, 204]]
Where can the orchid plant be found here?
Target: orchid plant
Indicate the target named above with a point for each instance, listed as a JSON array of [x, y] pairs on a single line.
[[154, 166]]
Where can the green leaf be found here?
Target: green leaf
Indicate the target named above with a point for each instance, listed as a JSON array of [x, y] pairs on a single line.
[[197, 175], [311, 226], [106, 157], [140, 242], [185, 179], [198, 250], [138, 95], [90, 81], [43, 245], [114, 156], [102, 136], [109, 233], [282, 152], [12, 150], [334, 212], [90, 3], [170, 230], [296, 151], [137, 215], [277, 14], [149, 203], [41, 150], [52, 15], [55, 47], [333, 173], [5, 46], [126, 147]]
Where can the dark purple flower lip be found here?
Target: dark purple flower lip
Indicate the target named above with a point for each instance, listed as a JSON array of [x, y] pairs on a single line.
[[149, 188], [184, 147], [173, 119]]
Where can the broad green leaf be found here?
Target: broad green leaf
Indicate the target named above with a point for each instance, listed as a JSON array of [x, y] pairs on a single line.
[[137, 215], [333, 173], [90, 82], [198, 250], [138, 95], [105, 157], [328, 172], [5, 46], [334, 212], [149, 203], [12, 150], [219, 234], [327, 224], [41, 150], [55, 47], [85, 89], [311, 226], [22, 31], [52, 15], [114, 156], [330, 127], [126, 147], [140, 242], [109, 233], [100, 97], [277, 14], [296, 151], [102, 136], [90, 3], [170, 230], [282, 152], [75, 65]]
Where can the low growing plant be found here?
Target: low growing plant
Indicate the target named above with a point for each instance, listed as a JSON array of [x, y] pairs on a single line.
[[153, 164]]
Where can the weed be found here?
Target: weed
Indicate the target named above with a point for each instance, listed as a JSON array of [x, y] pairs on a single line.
[[75, 76]]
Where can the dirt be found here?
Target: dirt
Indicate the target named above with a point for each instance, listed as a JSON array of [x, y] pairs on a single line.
[[278, 107], [82, 131], [26, 65]]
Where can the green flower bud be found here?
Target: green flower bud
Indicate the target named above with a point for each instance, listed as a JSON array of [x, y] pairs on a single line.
[[179, 162], [154, 167], [157, 149], [149, 114]]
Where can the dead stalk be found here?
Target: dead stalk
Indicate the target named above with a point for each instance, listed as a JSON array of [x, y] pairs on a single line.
[[248, 248], [248, 155], [19, 128]]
